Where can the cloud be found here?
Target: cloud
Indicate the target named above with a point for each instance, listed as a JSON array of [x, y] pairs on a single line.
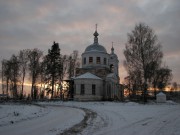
[[36, 24]]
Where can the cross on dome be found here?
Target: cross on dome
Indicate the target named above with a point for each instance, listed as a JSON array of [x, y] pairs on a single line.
[[112, 49], [96, 35]]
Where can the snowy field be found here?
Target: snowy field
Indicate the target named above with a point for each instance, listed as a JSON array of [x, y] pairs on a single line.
[[90, 118]]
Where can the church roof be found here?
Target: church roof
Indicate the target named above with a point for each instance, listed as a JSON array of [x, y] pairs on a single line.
[[95, 47], [112, 75], [88, 76], [161, 94]]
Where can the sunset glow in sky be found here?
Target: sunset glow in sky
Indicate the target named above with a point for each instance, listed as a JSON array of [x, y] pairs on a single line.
[[27, 24]]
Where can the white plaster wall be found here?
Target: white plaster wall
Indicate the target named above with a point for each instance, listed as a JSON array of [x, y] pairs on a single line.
[[88, 89], [115, 62], [95, 55], [160, 98]]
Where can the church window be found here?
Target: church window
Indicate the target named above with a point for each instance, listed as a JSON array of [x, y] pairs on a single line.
[[105, 61], [82, 89], [84, 61], [93, 89], [90, 60], [98, 60], [112, 68]]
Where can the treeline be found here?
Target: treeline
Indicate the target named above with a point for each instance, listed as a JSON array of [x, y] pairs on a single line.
[[45, 73]]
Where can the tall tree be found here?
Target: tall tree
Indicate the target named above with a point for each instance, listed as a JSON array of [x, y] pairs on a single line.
[[34, 68], [2, 76], [54, 66], [23, 59], [73, 64], [133, 83], [43, 77], [6, 67], [14, 75], [142, 49], [65, 62]]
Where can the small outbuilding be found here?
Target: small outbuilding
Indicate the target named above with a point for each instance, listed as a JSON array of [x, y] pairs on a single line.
[[161, 97]]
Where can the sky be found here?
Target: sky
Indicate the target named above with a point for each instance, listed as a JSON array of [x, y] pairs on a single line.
[[28, 24]]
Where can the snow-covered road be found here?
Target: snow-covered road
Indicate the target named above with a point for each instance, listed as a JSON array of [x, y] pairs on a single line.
[[53, 122], [106, 118], [131, 118], [140, 120]]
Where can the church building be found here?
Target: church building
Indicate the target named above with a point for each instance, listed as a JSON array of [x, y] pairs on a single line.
[[98, 78]]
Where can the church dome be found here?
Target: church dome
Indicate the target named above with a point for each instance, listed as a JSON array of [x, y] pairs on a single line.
[[113, 55], [95, 48]]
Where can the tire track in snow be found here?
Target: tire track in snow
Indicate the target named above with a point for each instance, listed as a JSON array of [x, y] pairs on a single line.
[[156, 125], [87, 121], [170, 119], [89, 125], [98, 123]]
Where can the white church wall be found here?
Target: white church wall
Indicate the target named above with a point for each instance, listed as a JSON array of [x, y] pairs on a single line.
[[88, 89], [95, 55]]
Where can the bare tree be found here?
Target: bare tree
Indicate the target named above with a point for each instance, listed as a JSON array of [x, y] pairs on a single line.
[[174, 86], [2, 75], [6, 67], [73, 63], [65, 63], [43, 77], [23, 59], [164, 76], [14, 74], [133, 83], [34, 68], [142, 49]]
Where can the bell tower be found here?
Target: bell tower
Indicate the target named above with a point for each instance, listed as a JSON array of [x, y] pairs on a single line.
[[113, 62]]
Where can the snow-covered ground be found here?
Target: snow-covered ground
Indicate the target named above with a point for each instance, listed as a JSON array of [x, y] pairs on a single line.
[[112, 118], [35, 120], [15, 113]]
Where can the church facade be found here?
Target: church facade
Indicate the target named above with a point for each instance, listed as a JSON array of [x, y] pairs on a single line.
[[98, 78]]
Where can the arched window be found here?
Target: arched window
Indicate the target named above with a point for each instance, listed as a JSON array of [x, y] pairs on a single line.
[[112, 68]]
